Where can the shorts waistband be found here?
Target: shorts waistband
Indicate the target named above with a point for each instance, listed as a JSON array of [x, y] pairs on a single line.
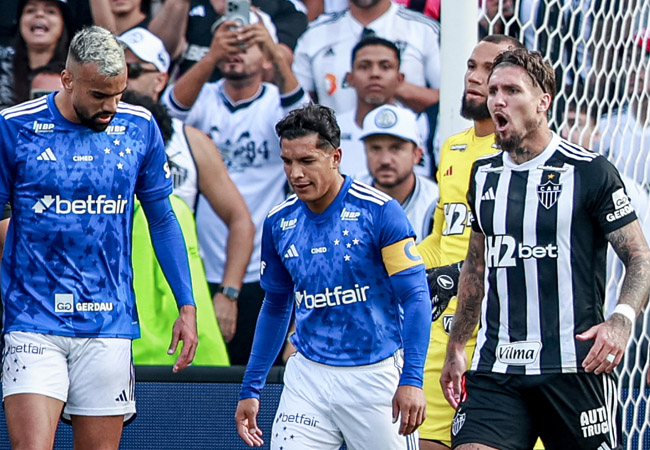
[[393, 360]]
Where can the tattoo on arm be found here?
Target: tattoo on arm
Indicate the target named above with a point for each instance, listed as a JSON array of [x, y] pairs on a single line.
[[278, 78], [631, 247], [470, 290]]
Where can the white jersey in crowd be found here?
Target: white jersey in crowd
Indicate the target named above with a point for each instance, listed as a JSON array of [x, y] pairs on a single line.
[[419, 207], [182, 165], [626, 143], [354, 161], [323, 53], [244, 133]]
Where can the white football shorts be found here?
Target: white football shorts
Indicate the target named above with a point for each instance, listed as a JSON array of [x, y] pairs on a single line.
[[93, 376], [323, 406]]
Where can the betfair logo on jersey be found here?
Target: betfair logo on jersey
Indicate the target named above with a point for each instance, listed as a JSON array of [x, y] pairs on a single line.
[[115, 129], [503, 251], [621, 204], [519, 353], [89, 205], [43, 127], [331, 297], [288, 224], [594, 421], [350, 215]]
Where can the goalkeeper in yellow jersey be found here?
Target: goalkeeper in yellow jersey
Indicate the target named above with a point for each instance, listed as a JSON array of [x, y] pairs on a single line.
[[445, 248]]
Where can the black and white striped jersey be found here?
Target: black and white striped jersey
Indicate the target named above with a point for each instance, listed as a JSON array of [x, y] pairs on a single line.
[[545, 223]]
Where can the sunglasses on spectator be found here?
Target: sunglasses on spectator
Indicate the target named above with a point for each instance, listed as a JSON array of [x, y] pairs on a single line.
[[135, 69]]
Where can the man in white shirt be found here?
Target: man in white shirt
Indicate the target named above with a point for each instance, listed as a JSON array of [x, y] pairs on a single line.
[[391, 138], [321, 58], [376, 78]]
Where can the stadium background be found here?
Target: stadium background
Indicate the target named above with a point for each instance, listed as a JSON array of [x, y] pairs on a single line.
[[195, 409]]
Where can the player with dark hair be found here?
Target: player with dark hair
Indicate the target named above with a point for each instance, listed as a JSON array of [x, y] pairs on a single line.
[[544, 211], [70, 163], [444, 249], [344, 253]]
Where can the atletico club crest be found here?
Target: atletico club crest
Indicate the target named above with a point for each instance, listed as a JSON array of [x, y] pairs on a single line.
[[548, 193], [457, 423]]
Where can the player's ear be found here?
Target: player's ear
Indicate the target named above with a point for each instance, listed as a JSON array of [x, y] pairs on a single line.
[[544, 103], [67, 79], [336, 158]]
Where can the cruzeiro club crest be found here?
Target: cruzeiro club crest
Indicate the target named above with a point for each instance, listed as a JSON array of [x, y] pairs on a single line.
[[548, 192]]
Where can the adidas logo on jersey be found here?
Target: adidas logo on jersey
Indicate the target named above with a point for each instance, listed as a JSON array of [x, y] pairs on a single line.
[[350, 215], [47, 155], [122, 397], [335, 297], [489, 195], [292, 252], [89, 205], [288, 224], [449, 171], [43, 127], [458, 147]]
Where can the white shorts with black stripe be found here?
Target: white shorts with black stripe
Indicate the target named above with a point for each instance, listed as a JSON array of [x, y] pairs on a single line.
[[93, 376], [323, 406]]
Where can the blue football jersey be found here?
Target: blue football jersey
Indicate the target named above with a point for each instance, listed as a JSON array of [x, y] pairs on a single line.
[[337, 265], [66, 268]]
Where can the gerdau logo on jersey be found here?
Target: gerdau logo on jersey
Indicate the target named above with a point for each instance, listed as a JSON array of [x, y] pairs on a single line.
[[88, 205], [502, 251], [331, 297]]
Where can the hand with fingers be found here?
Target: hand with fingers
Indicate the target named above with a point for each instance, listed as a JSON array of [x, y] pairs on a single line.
[[610, 340], [226, 311], [228, 40], [452, 375], [257, 34], [409, 405], [246, 420], [184, 330]]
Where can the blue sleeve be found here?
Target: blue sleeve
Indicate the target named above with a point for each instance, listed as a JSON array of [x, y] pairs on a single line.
[[395, 226], [272, 325], [411, 288], [154, 177], [7, 159], [169, 245], [274, 277]]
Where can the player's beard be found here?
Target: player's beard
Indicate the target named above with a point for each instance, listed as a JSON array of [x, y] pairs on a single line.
[[472, 110], [90, 121], [512, 144]]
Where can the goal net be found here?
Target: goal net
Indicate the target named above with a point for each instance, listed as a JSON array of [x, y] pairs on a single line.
[[600, 51]]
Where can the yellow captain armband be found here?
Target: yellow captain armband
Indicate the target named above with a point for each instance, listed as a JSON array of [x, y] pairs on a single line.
[[400, 256]]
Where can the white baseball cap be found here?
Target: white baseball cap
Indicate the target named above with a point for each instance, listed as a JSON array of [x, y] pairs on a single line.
[[392, 120], [146, 46]]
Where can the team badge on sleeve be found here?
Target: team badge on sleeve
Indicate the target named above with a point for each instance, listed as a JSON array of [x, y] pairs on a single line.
[[400, 256]]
